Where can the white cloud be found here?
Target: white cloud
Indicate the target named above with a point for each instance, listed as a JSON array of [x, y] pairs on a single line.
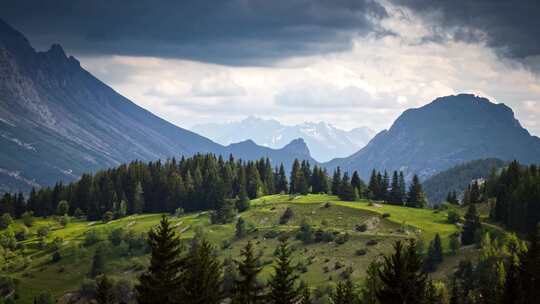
[[369, 85]]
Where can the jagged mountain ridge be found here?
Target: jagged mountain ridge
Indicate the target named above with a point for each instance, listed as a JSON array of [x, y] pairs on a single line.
[[324, 140], [449, 131], [58, 121]]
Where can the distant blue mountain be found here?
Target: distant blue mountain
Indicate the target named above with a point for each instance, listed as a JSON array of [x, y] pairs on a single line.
[[58, 121], [449, 131]]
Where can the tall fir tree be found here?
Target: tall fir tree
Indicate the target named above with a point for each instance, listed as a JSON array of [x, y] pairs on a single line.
[[246, 288], [161, 282], [345, 292], [283, 184], [401, 275], [434, 254], [336, 181], [202, 277], [416, 197], [104, 290], [471, 225], [283, 289]]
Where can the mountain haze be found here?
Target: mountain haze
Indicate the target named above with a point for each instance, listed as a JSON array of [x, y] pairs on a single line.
[[449, 131], [324, 140], [58, 121]]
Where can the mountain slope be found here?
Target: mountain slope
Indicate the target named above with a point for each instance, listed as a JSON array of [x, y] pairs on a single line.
[[458, 178], [58, 121], [449, 131], [324, 140]]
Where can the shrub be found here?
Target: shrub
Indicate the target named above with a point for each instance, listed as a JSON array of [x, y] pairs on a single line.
[[56, 243], [88, 288], [362, 227], [342, 238], [453, 217], [91, 237], [179, 212], [305, 234], [63, 220], [43, 231], [361, 252], [116, 236], [5, 221], [324, 236], [372, 242], [21, 234], [107, 216], [62, 208], [385, 215], [56, 257], [338, 265], [286, 216], [271, 234], [327, 205], [326, 269], [28, 218], [78, 213]]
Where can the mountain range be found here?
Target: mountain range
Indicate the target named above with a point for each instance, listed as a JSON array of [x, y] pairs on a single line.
[[325, 141], [58, 121], [449, 131]]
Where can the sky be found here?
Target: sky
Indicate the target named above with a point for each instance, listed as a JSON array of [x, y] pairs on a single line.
[[349, 63]]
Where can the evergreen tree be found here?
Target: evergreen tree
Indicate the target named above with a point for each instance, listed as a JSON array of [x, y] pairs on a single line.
[[357, 183], [402, 279], [282, 284], [138, 198], [395, 192], [202, 276], [282, 184], [347, 191], [372, 283], [471, 226], [296, 176], [385, 184], [416, 197], [160, 283], [434, 255], [104, 290], [240, 228], [246, 288], [336, 181], [306, 294], [345, 293], [98, 262], [402, 187]]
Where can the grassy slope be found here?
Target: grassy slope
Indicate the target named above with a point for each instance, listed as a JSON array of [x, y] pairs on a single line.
[[67, 274]]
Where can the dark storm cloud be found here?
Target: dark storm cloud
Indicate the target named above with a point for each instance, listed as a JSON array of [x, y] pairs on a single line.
[[512, 27], [233, 32]]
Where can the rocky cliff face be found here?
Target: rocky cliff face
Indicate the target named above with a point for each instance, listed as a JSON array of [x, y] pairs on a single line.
[[449, 131], [58, 121]]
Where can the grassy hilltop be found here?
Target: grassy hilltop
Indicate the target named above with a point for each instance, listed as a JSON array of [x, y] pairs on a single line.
[[361, 231]]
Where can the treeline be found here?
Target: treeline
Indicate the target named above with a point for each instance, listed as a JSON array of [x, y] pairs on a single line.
[[393, 189], [515, 193], [197, 276]]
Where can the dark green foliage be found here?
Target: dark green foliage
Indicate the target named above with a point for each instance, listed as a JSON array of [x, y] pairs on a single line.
[[98, 262], [283, 289], [161, 282], [372, 284], [453, 217], [44, 297], [345, 293], [305, 233], [282, 185], [401, 276], [5, 221], [116, 236], [458, 179], [336, 182], [471, 226], [225, 212], [434, 254], [286, 216], [346, 191], [240, 231], [454, 243], [56, 257], [104, 290], [201, 278], [416, 197], [246, 289]]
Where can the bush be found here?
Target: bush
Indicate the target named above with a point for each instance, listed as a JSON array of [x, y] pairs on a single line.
[[362, 227], [56, 243], [324, 236], [271, 234], [28, 218], [342, 238], [43, 231], [56, 257], [107, 216], [361, 252], [116, 236], [453, 217], [88, 288], [179, 212], [78, 213], [372, 242], [5, 221], [385, 215], [21, 234], [338, 265], [64, 220], [286, 216], [91, 237], [326, 205], [62, 208], [305, 234]]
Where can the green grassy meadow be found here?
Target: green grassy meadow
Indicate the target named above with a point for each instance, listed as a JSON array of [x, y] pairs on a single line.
[[320, 263]]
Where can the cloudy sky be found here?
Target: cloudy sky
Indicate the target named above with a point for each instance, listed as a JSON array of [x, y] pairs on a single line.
[[350, 63]]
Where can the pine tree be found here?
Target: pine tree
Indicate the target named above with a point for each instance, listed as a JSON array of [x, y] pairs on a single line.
[[202, 276], [395, 192], [336, 181], [104, 290], [402, 280], [160, 283], [98, 262], [240, 228], [357, 183], [347, 192], [416, 197], [402, 187], [344, 293], [471, 225], [296, 176], [306, 294], [283, 184], [372, 284], [283, 283], [385, 184], [434, 255], [246, 289], [138, 199]]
